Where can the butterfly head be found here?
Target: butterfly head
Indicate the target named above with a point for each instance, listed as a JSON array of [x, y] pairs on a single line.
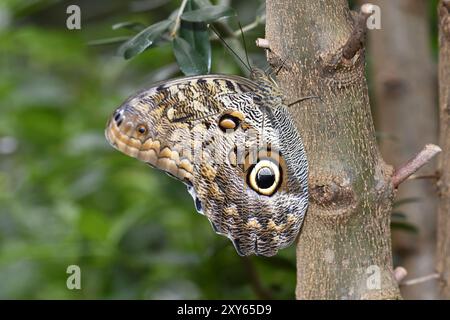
[[268, 90]]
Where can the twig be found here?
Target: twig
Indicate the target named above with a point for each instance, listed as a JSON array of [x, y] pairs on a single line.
[[420, 279], [402, 173], [255, 281], [237, 33], [356, 40], [247, 28], [178, 19], [399, 274], [263, 43], [424, 176]]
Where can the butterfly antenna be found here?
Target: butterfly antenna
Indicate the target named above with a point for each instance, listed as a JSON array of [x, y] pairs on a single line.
[[245, 45], [277, 70], [228, 46]]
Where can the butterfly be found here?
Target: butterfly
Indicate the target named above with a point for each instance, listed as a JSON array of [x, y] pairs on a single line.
[[233, 143]]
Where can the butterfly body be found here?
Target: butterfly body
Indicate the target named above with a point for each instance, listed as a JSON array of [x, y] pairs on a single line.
[[233, 143]]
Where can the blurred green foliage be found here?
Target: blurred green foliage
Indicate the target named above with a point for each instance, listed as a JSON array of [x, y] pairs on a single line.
[[66, 197]]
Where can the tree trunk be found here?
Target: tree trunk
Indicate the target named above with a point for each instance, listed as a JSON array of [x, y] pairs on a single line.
[[344, 248], [443, 244], [406, 116]]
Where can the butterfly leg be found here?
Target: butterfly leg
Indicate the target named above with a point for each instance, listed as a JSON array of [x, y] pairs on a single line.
[[303, 99]]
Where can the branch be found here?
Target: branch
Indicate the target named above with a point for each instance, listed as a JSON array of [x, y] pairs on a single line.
[[420, 279], [248, 27], [234, 34], [173, 33], [334, 160], [358, 36], [424, 156], [255, 281], [435, 176], [443, 230]]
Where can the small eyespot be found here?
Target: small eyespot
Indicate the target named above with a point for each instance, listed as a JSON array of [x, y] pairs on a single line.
[[141, 129], [265, 177], [228, 122]]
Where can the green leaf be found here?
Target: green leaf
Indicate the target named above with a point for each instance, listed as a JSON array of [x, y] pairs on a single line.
[[136, 26], [190, 62], [196, 34], [208, 14], [143, 39], [402, 225]]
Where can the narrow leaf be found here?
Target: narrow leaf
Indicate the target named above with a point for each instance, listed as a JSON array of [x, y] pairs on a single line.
[[190, 62], [196, 34], [143, 39], [208, 14]]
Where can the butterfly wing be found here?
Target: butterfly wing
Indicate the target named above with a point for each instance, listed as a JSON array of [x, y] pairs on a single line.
[[206, 132]]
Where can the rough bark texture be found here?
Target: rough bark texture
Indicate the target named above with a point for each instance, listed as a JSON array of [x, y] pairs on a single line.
[[406, 116], [443, 252], [345, 241]]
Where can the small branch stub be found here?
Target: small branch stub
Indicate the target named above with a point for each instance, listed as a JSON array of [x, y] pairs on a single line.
[[400, 273], [262, 43], [367, 9], [429, 277], [358, 36], [424, 156]]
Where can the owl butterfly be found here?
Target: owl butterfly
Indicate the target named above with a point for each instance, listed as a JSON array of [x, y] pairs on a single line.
[[233, 143]]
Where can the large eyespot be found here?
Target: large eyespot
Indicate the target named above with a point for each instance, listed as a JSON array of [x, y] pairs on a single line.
[[141, 129], [265, 177], [230, 121]]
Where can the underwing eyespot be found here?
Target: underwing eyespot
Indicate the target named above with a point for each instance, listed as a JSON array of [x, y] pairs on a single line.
[[264, 177]]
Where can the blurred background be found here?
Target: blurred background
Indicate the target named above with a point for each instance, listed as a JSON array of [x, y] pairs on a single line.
[[66, 197]]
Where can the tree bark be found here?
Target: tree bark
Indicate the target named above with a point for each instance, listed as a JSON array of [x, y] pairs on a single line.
[[406, 116], [344, 247], [443, 243]]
